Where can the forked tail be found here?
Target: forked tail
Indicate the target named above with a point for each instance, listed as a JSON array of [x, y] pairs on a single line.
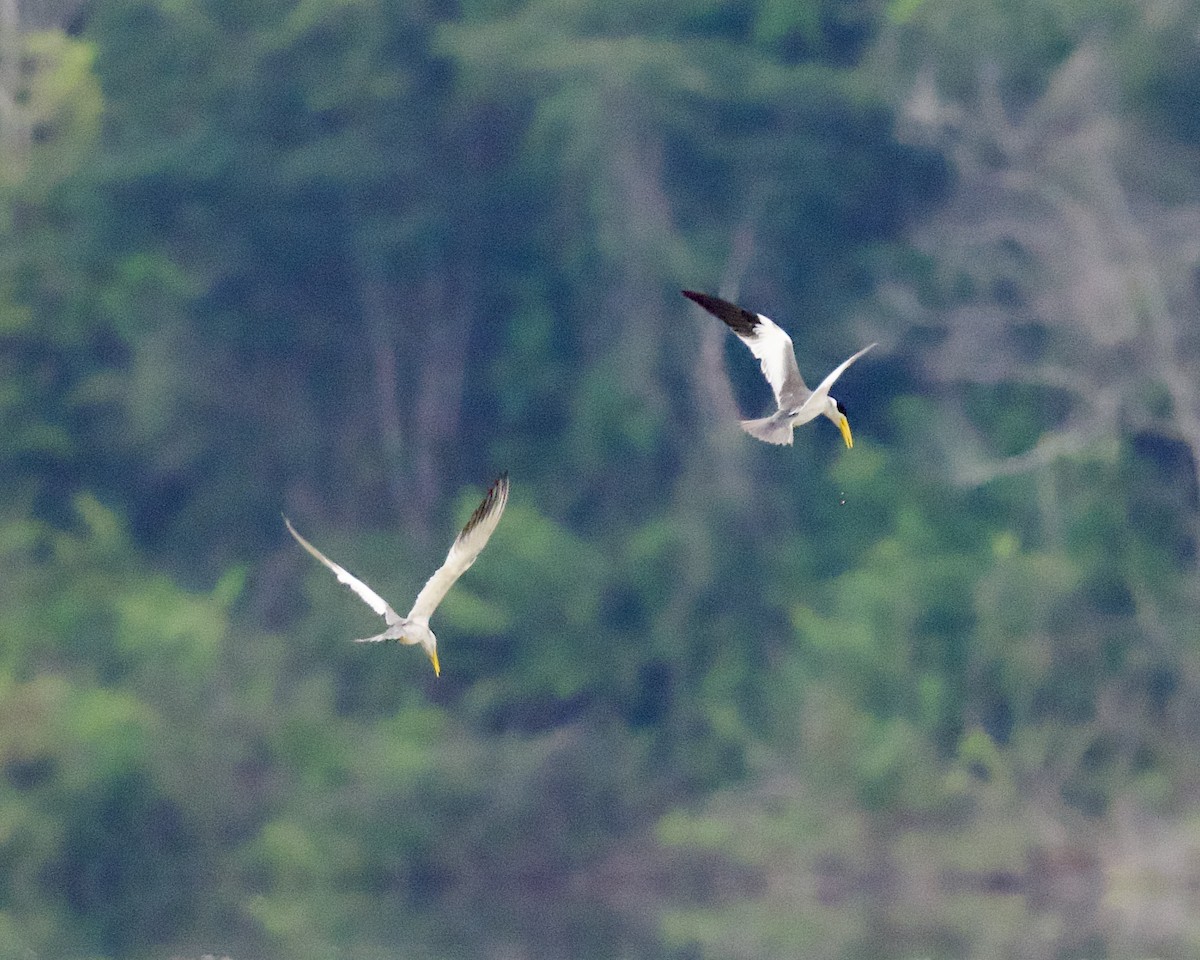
[[777, 428]]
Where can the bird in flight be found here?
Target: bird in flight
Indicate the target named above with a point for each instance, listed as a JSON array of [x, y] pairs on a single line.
[[795, 403], [466, 547]]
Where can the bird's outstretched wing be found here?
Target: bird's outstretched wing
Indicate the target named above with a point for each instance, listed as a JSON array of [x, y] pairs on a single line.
[[466, 547], [369, 596], [827, 383], [767, 341]]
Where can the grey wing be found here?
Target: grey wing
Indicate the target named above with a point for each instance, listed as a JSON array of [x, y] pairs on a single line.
[[837, 371], [767, 341], [466, 547], [365, 593]]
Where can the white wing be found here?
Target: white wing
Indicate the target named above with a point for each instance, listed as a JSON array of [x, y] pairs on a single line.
[[767, 341], [466, 547], [777, 356], [823, 389], [369, 596]]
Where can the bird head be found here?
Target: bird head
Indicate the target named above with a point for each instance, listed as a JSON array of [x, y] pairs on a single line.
[[838, 416], [416, 631], [424, 636]]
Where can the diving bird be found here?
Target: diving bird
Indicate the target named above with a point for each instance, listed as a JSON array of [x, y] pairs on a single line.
[[795, 403], [466, 547]]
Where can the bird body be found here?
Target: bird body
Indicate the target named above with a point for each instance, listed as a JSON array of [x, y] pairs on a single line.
[[795, 403], [414, 628]]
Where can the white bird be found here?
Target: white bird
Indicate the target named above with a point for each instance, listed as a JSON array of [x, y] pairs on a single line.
[[795, 403], [466, 547]]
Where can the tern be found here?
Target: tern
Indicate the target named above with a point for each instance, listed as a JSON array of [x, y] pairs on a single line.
[[795, 403], [466, 547]]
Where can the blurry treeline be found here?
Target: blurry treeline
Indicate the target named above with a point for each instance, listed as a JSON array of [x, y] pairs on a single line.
[[348, 259]]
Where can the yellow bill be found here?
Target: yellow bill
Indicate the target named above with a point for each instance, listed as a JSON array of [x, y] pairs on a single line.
[[844, 425]]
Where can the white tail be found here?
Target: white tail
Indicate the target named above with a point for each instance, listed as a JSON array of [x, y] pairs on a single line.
[[776, 428]]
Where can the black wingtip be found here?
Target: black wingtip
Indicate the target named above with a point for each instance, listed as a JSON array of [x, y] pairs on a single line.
[[498, 489], [498, 485], [740, 321], [711, 304]]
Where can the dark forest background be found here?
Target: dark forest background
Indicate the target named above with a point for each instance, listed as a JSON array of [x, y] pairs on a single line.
[[935, 696]]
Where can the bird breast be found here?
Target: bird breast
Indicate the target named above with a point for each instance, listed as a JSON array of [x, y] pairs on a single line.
[[416, 631]]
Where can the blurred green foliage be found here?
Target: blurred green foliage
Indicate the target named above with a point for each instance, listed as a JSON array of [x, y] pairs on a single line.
[[699, 697]]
